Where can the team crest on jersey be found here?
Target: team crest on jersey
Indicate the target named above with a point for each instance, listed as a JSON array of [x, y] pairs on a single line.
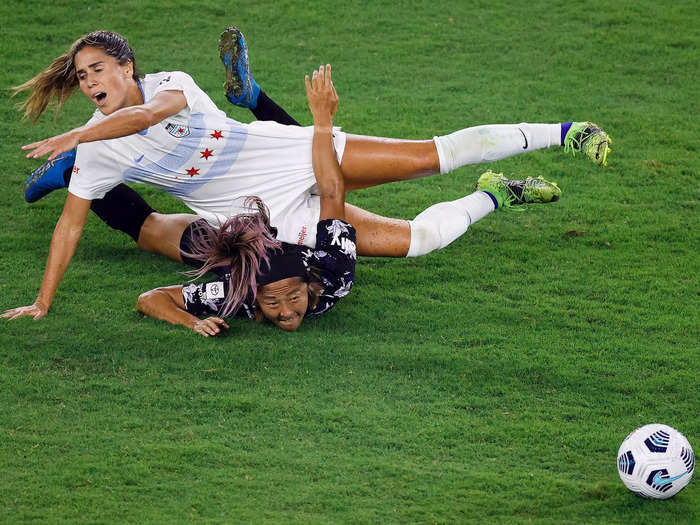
[[176, 130]]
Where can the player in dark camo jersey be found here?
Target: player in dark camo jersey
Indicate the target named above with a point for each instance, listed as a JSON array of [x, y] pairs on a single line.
[[328, 269]]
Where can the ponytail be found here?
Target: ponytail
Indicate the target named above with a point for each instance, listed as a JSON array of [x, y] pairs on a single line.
[[243, 242], [59, 81]]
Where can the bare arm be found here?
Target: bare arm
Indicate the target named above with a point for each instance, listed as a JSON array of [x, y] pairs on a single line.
[[323, 102], [166, 303], [123, 122], [66, 235]]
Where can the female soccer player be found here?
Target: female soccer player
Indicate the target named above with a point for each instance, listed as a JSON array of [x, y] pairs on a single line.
[[291, 283], [165, 131]]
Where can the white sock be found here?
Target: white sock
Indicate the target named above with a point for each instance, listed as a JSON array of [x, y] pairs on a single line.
[[493, 142], [444, 222]]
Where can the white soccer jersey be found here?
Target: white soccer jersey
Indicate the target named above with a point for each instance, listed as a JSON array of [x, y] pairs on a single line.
[[210, 162]]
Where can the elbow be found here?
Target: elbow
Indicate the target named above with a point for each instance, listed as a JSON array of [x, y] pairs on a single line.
[[144, 300], [146, 117]]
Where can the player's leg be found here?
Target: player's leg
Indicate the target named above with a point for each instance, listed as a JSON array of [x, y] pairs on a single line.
[[442, 223], [51, 175], [162, 234], [123, 209], [241, 88], [378, 236], [369, 161]]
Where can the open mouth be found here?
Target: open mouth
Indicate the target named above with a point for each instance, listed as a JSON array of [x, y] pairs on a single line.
[[100, 98]]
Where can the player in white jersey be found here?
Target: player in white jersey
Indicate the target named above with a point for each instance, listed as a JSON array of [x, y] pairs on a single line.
[[210, 162], [153, 125]]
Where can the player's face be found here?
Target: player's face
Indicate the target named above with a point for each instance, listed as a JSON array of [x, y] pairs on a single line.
[[284, 302], [108, 84]]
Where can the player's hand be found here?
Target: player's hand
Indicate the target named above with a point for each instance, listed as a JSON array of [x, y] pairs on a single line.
[[323, 99], [53, 146], [209, 326], [36, 310]]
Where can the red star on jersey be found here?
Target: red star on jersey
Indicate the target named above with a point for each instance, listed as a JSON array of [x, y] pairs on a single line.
[[206, 153], [180, 130], [76, 169], [193, 171], [217, 134]]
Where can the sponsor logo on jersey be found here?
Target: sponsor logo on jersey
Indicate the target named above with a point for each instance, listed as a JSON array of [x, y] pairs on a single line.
[[176, 130], [302, 235], [215, 290]]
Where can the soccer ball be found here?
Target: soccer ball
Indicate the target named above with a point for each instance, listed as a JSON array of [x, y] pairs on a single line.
[[655, 461]]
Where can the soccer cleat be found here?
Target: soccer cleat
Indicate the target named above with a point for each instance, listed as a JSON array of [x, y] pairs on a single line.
[[51, 175], [241, 88], [589, 138], [513, 192]]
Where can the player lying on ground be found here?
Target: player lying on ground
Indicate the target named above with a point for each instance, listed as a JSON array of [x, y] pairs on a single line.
[[261, 278], [166, 132], [298, 282]]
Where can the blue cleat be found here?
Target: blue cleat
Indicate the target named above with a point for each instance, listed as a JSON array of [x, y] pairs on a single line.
[[241, 88], [50, 176]]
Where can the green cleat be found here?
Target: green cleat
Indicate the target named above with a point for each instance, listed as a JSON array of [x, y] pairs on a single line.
[[513, 192], [589, 138]]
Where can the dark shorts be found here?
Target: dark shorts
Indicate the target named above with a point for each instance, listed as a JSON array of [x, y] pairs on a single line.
[[186, 245]]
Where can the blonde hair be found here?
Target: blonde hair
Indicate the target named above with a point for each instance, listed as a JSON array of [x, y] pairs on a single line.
[[59, 81]]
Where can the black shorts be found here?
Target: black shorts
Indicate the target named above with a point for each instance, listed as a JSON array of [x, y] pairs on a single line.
[[186, 244]]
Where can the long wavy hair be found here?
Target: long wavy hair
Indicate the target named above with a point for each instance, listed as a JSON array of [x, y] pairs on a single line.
[[59, 81], [244, 243]]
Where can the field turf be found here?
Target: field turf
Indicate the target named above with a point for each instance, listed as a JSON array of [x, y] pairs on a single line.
[[490, 382]]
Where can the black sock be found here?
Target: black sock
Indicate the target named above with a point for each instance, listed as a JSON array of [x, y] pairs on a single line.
[[123, 209], [67, 174], [267, 109]]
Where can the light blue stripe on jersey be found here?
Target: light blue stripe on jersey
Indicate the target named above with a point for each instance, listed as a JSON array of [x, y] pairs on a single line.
[[187, 154], [225, 156]]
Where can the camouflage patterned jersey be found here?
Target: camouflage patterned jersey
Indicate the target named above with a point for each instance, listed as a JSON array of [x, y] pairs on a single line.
[[333, 261]]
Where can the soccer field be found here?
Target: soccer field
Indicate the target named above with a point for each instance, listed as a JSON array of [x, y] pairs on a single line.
[[490, 382]]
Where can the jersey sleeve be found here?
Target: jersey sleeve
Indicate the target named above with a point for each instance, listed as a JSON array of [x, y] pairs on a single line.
[[95, 172], [203, 299], [334, 262], [179, 81]]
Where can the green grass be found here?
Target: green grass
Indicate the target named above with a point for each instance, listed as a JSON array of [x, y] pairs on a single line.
[[491, 382]]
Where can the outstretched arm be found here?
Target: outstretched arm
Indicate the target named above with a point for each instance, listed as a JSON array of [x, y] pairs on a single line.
[[323, 102], [123, 122], [167, 303], [66, 235]]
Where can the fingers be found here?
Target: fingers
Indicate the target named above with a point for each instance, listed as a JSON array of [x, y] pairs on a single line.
[[53, 146], [210, 326], [40, 149], [320, 78], [15, 313]]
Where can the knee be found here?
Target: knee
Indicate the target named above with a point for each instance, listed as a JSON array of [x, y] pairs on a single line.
[[143, 300]]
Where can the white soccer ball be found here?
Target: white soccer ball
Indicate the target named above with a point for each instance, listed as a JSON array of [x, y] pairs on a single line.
[[655, 461]]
